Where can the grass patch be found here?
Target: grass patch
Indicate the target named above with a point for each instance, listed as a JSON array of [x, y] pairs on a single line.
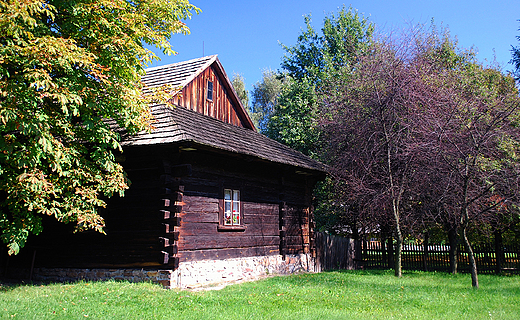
[[329, 295]]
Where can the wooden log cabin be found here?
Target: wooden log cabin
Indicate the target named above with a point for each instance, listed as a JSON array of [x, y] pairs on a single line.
[[210, 200]]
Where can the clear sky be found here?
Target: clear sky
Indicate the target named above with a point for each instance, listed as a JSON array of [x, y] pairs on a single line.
[[247, 34]]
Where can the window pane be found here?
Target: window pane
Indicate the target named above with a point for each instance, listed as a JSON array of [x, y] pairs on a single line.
[[236, 218], [210, 90], [236, 195], [227, 220], [227, 206], [227, 194]]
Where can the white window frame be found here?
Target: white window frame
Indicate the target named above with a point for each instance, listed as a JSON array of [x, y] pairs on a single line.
[[232, 209]]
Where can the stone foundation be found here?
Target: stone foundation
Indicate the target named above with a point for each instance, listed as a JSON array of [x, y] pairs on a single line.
[[215, 272], [190, 274]]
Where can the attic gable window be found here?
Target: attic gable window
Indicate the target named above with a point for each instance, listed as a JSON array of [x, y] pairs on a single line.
[[209, 92]]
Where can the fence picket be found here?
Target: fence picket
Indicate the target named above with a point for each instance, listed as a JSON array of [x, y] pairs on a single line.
[[436, 258]]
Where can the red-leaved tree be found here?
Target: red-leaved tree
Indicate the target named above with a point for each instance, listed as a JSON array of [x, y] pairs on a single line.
[[420, 132]]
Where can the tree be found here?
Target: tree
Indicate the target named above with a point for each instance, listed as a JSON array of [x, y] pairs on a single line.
[[293, 120], [291, 115], [367, 131], [344, 37], [265, 95], [417, 127], [66, 69], [438, 57], [475, 141], [239, 85], [315, 57]]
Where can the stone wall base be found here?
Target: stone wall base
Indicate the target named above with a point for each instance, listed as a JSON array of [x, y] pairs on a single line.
[[190, 274], [216, 272]]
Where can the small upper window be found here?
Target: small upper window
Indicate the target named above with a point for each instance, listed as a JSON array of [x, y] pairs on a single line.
[[209, 95], [231, 207]]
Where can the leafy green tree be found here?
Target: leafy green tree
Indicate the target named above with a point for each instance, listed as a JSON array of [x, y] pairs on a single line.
[[316, 56], [265, 95], [291, 116], [293, 120], [66, 69], [239, 85]]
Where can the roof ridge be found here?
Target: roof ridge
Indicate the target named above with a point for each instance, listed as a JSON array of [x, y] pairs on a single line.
[[181, 62]]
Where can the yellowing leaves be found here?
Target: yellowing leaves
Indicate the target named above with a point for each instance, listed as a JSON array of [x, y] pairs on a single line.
[[66, 68]]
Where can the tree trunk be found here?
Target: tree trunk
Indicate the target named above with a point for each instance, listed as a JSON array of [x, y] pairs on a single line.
[[384, 249], [398, 253], [499, 251], [426, 243], [358, 257], [398, 257], [472, 262], [454, 248]]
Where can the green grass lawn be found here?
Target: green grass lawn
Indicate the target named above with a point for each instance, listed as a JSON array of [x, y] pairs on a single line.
[[329, 295]]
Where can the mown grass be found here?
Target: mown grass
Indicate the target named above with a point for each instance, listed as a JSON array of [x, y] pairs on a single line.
[[329, 295]]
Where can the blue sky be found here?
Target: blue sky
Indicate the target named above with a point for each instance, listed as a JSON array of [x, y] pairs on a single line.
[[246, 34]]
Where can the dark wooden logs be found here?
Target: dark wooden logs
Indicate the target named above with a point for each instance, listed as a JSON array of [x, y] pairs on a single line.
[[164, 219]]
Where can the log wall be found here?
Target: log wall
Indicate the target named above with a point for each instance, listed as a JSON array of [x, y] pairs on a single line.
[[276, 213], [170, 214]]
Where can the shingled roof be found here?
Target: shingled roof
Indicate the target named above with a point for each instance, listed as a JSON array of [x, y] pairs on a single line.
[[177, 74], [179, 124]]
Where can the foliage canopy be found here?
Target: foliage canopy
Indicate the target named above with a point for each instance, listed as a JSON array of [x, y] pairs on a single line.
[[316, 56], [424, 132], [66, 69]]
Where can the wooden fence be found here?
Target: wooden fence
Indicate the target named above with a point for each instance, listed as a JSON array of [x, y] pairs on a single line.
[[436, 258], [334, 252]]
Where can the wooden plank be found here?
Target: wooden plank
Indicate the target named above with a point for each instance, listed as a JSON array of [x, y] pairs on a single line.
[[199, 217], [227, 253], [209, 229], [215, 242], [174, 221], [200, 204], [174, 196], [260, 219]]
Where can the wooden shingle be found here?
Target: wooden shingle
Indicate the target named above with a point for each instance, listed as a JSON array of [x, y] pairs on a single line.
[[175, 125]]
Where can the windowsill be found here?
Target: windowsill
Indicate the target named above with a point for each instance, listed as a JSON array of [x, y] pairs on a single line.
[[231, 228]]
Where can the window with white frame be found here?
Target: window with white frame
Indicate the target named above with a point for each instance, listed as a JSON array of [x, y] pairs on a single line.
[[231, 207]]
